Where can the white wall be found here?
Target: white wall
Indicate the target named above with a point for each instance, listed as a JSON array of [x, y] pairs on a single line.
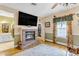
[[49, 29], [41, 21], [75, 25]]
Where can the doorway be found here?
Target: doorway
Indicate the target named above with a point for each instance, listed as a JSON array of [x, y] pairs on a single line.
[[61, 32], [6, 28]]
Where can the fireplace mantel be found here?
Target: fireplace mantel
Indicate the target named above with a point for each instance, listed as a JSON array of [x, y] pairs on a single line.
[[28, 27]]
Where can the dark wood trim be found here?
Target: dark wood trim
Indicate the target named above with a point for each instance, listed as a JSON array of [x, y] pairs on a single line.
[[70, 37], [54, 32]]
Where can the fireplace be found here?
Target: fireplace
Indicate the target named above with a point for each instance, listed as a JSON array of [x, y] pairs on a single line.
[[29, 35]]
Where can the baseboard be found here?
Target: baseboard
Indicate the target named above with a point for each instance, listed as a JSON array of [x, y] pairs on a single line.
[[15, 46], [75, 46], [56, 42], [61, 43], [49, 40]]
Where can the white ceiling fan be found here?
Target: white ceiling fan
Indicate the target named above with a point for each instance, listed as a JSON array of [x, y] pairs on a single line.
[[67, 4], [63, 4]]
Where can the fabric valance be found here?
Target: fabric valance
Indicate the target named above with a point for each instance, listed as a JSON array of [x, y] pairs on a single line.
[[65, 18]]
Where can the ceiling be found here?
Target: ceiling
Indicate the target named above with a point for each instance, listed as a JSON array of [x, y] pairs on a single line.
[[40, 9], [7, 14]]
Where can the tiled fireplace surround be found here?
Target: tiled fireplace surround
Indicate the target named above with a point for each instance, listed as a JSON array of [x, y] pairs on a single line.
[[26, 34]]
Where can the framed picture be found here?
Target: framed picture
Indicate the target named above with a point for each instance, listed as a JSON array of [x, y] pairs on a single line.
[[47, 24], [5, 27]]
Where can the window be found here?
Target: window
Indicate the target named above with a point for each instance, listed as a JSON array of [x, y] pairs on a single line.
[[61, 29]]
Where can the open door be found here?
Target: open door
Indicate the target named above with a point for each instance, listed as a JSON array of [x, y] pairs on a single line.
[[6, 28], [61, 32]]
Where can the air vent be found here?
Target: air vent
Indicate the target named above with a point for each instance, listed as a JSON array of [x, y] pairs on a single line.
[[33, 4], [54, 5]]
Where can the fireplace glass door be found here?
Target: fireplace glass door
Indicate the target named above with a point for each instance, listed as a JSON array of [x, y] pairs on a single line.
[[29, 35]]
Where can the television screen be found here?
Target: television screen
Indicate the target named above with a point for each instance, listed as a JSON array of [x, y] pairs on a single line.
[[27, 19]]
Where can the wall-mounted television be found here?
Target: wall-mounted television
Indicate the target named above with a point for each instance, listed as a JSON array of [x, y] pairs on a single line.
[[27, 19]]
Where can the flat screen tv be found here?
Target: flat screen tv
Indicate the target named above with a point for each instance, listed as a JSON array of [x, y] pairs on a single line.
[[27, 19]]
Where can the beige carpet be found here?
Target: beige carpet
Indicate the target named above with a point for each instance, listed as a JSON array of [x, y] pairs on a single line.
[[42, 50]]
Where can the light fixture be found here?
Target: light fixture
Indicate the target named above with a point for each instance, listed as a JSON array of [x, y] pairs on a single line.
[[4, 21], [68, 4]]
